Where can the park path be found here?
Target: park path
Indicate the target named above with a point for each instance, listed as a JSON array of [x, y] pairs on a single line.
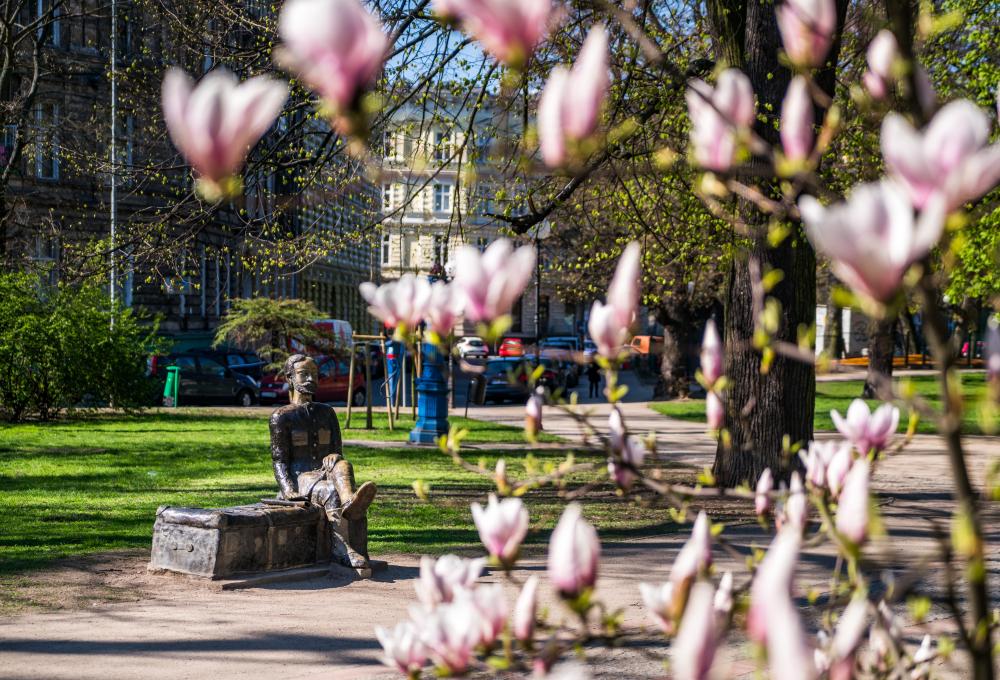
[[323, 628]]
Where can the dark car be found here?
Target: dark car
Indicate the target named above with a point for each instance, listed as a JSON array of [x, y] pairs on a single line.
[[205, 380], [239, 361], [332, 385], [505, 380], [556, 374]]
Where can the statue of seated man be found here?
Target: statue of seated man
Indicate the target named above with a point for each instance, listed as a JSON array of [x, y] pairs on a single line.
[[309, 464]]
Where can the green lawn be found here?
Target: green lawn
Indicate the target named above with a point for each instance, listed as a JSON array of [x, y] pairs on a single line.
[[839, 395], [90, 485]]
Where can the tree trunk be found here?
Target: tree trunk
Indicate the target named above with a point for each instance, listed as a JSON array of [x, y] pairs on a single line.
[[833, 338], [673, 380], [881, 346], [762, 408]]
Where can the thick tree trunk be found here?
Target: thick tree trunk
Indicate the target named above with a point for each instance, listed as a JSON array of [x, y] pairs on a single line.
[[881, 347], [763, 408], [673, 380]]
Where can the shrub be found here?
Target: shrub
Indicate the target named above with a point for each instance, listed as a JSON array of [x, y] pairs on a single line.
[[59, 349]]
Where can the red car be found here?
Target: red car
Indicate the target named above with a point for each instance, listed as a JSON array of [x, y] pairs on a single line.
[[511, 347], [332, 384]]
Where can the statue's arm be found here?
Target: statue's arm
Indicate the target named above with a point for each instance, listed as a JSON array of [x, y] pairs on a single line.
[[281, 455]]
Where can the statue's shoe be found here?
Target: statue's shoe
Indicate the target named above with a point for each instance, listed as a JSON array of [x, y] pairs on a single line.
[[362, 498]]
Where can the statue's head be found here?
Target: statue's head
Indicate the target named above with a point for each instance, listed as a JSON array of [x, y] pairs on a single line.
[[301, 373]]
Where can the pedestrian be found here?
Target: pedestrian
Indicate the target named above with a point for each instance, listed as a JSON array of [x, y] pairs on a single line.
[[594, 377]]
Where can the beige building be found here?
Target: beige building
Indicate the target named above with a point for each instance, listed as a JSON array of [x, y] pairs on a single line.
[[440, 188]]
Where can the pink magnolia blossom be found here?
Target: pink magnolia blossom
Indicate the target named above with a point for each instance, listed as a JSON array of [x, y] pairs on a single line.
[[718, 115], [571, 102], [525, 610], [711, 354], [625, 287], [533, 413], [451, 633], [950, 159], [403, 647], [866, 430], [695, 557], [693, 650], [773, 619], [715, 411], [492, 605], [873, 237], [508, 29], [440, 579], [922, 658], [492, 281], [882, 53], [837, 469], [818, 459], [502, 526], [215, 123], [401, 303], [574, 552], [762, 498], [627, 459], [807, 28], [444, 307], [723, 603], [610, 322], [335, 46], [993, 348], [795, 512], [852, 508], [616, 430], [659, 601], [797, 120], [851, 629]]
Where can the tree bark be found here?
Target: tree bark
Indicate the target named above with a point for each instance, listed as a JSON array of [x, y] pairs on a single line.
[[763, 407], [673, 380], [881, 347], [833, 337]]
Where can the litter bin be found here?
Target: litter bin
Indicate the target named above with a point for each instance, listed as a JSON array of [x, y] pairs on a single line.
[[172, 386], [477, 387]]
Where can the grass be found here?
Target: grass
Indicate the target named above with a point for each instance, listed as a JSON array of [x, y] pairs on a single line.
[[839, 395], [77, 487]]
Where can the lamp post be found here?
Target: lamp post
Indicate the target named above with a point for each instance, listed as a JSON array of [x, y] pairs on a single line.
[[539, 232], [432, 391]]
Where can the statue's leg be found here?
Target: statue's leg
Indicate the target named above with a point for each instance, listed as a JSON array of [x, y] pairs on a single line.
[[342, 551], [354, 501]]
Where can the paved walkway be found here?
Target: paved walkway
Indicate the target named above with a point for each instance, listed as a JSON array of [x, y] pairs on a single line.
[[324, 628]]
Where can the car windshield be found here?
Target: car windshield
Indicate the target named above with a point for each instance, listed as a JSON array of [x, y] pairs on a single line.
[[475, 342]]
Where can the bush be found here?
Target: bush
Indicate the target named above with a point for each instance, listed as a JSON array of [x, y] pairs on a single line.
[[267, 325], [59, 349]]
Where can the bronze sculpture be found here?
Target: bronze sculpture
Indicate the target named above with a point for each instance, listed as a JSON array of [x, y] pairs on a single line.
[[309, 464]]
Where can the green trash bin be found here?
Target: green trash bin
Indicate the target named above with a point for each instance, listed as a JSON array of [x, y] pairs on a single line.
[[172, 386]]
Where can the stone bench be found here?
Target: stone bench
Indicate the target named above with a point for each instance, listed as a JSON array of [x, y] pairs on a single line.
[[227, 542]]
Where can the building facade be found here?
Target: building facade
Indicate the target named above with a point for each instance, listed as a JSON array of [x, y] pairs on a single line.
[[443, 184]]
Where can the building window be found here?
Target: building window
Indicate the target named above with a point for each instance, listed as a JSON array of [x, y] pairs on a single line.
[[46, 140], [440, 250], [442, 197], [482, 243], [385, 249], [388, 144], [386, 197], [442, 146]]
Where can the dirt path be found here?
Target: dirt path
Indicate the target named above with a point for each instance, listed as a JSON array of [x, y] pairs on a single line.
[[119, 622]]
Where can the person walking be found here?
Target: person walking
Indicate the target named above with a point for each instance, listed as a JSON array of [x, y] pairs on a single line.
[[594, 377]]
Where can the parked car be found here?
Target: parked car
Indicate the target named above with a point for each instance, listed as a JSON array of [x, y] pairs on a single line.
[[647, 344], [471, 347], [331, 386], [505, 381], [246, 363], [511, 347], [556, 374], [205, 379]]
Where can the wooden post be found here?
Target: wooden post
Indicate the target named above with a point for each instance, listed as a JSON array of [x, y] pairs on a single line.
[[368, 388], [401, 385], [388, 390], [350, 385]]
